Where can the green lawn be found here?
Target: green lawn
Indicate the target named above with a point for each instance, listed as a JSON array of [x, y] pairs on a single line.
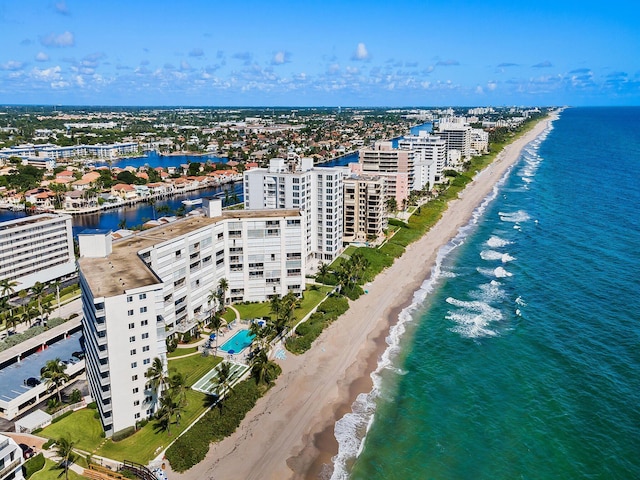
[[312, 297], [80, 427], [147, 442], [52, 472], [193, 367], [182, 351]]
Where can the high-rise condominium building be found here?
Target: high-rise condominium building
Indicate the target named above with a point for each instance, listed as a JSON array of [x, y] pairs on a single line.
[[315, 191], [364, 208], [393, 165], [139, 290], [429, 158]]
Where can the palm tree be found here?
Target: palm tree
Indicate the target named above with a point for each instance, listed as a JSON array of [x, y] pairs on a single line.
[[54, 375], [262, 369], [215, 323], [323, 270], [38, 292], [57, 285], [152, 202], [122, 224], [224, 383], [223, 286], [178, 392], [64, 449], [213, 300], [7, 287], [156, 375], [13, 320], [166, 411]]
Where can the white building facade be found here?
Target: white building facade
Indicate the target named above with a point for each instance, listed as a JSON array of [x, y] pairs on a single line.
[[364, 208], [10, 459], [36, 248], [395, 166], [142, 289], [429, 158], [315, 191]]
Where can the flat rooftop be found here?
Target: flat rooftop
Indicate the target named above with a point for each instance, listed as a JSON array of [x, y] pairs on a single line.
[[124, 270]]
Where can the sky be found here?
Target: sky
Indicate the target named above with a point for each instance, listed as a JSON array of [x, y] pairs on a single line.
[[402, 53]]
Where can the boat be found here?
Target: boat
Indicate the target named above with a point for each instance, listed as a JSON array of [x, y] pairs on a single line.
[[195, 201]]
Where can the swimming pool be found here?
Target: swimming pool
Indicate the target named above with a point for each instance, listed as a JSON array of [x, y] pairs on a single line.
[[238, 342]]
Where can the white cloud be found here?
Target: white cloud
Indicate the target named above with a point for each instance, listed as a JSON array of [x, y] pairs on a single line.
[[12, 65], [61, 8], [280, 57], [65, 39], [491, 86], [361, 52], [47, 74], [479, 90], [42, 57]]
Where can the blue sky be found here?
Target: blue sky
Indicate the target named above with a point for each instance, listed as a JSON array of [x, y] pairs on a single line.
[[320, 53]]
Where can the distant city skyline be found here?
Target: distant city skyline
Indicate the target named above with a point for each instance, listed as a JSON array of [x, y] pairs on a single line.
[[330, 53]]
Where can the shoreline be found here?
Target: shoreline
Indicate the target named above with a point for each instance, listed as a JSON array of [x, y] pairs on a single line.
[[289, 432]]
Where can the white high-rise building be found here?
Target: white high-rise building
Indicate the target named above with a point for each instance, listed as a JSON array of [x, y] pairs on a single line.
[[37, 248], [429, 159], [139, 290], [315, 191], [457, 135], [11, 459]]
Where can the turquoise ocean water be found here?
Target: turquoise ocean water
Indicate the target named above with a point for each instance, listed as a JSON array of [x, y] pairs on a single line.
[[521, 359]]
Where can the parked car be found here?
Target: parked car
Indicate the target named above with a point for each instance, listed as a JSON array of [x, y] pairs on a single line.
[[27, 451], [32, 382]]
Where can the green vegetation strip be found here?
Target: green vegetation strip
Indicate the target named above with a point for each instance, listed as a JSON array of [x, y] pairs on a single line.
[[191, 448], [308, 331]]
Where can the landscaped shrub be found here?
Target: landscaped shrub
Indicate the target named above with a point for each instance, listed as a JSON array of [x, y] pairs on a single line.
[[307, 332], [92, 405], [124, 433], [191, 448], [48, 443], [33, 465], [64, 415]]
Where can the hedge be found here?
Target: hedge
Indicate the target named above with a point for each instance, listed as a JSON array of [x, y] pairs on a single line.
[[33, 465], [124, 433], [191, 448]]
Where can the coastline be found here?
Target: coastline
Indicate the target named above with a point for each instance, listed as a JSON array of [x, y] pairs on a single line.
[[289, 433]]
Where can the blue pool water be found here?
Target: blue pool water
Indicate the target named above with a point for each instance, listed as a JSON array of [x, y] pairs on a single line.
[[238, 342]]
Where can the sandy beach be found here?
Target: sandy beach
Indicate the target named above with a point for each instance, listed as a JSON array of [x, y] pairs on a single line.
[[289, 433]]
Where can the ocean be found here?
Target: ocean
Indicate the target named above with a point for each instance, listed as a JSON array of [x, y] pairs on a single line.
[[520, 358]]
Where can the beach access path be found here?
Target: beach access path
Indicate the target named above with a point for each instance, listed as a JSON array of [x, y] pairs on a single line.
[[289, 433]]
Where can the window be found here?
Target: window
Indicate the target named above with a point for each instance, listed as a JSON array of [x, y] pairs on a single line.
[[132, 351], [130, 312], [142, 296], [132, 325], [129, 299], [135, 404], [143, 309], [134, 378], [146, 361], [132, 339], [144, 323], [137, 415], [135, 390], [145, 348], [134, 364], [145, 335]]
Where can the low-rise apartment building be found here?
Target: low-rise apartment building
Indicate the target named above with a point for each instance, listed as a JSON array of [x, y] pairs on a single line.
[[36, 248], [11, 459]]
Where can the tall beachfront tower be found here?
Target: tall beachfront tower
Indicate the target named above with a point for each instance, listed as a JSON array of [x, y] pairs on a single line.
[[140, 290], [37, 248], [429, 158], [393, 165], [316, 191], [457, 135], [364, 208]]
